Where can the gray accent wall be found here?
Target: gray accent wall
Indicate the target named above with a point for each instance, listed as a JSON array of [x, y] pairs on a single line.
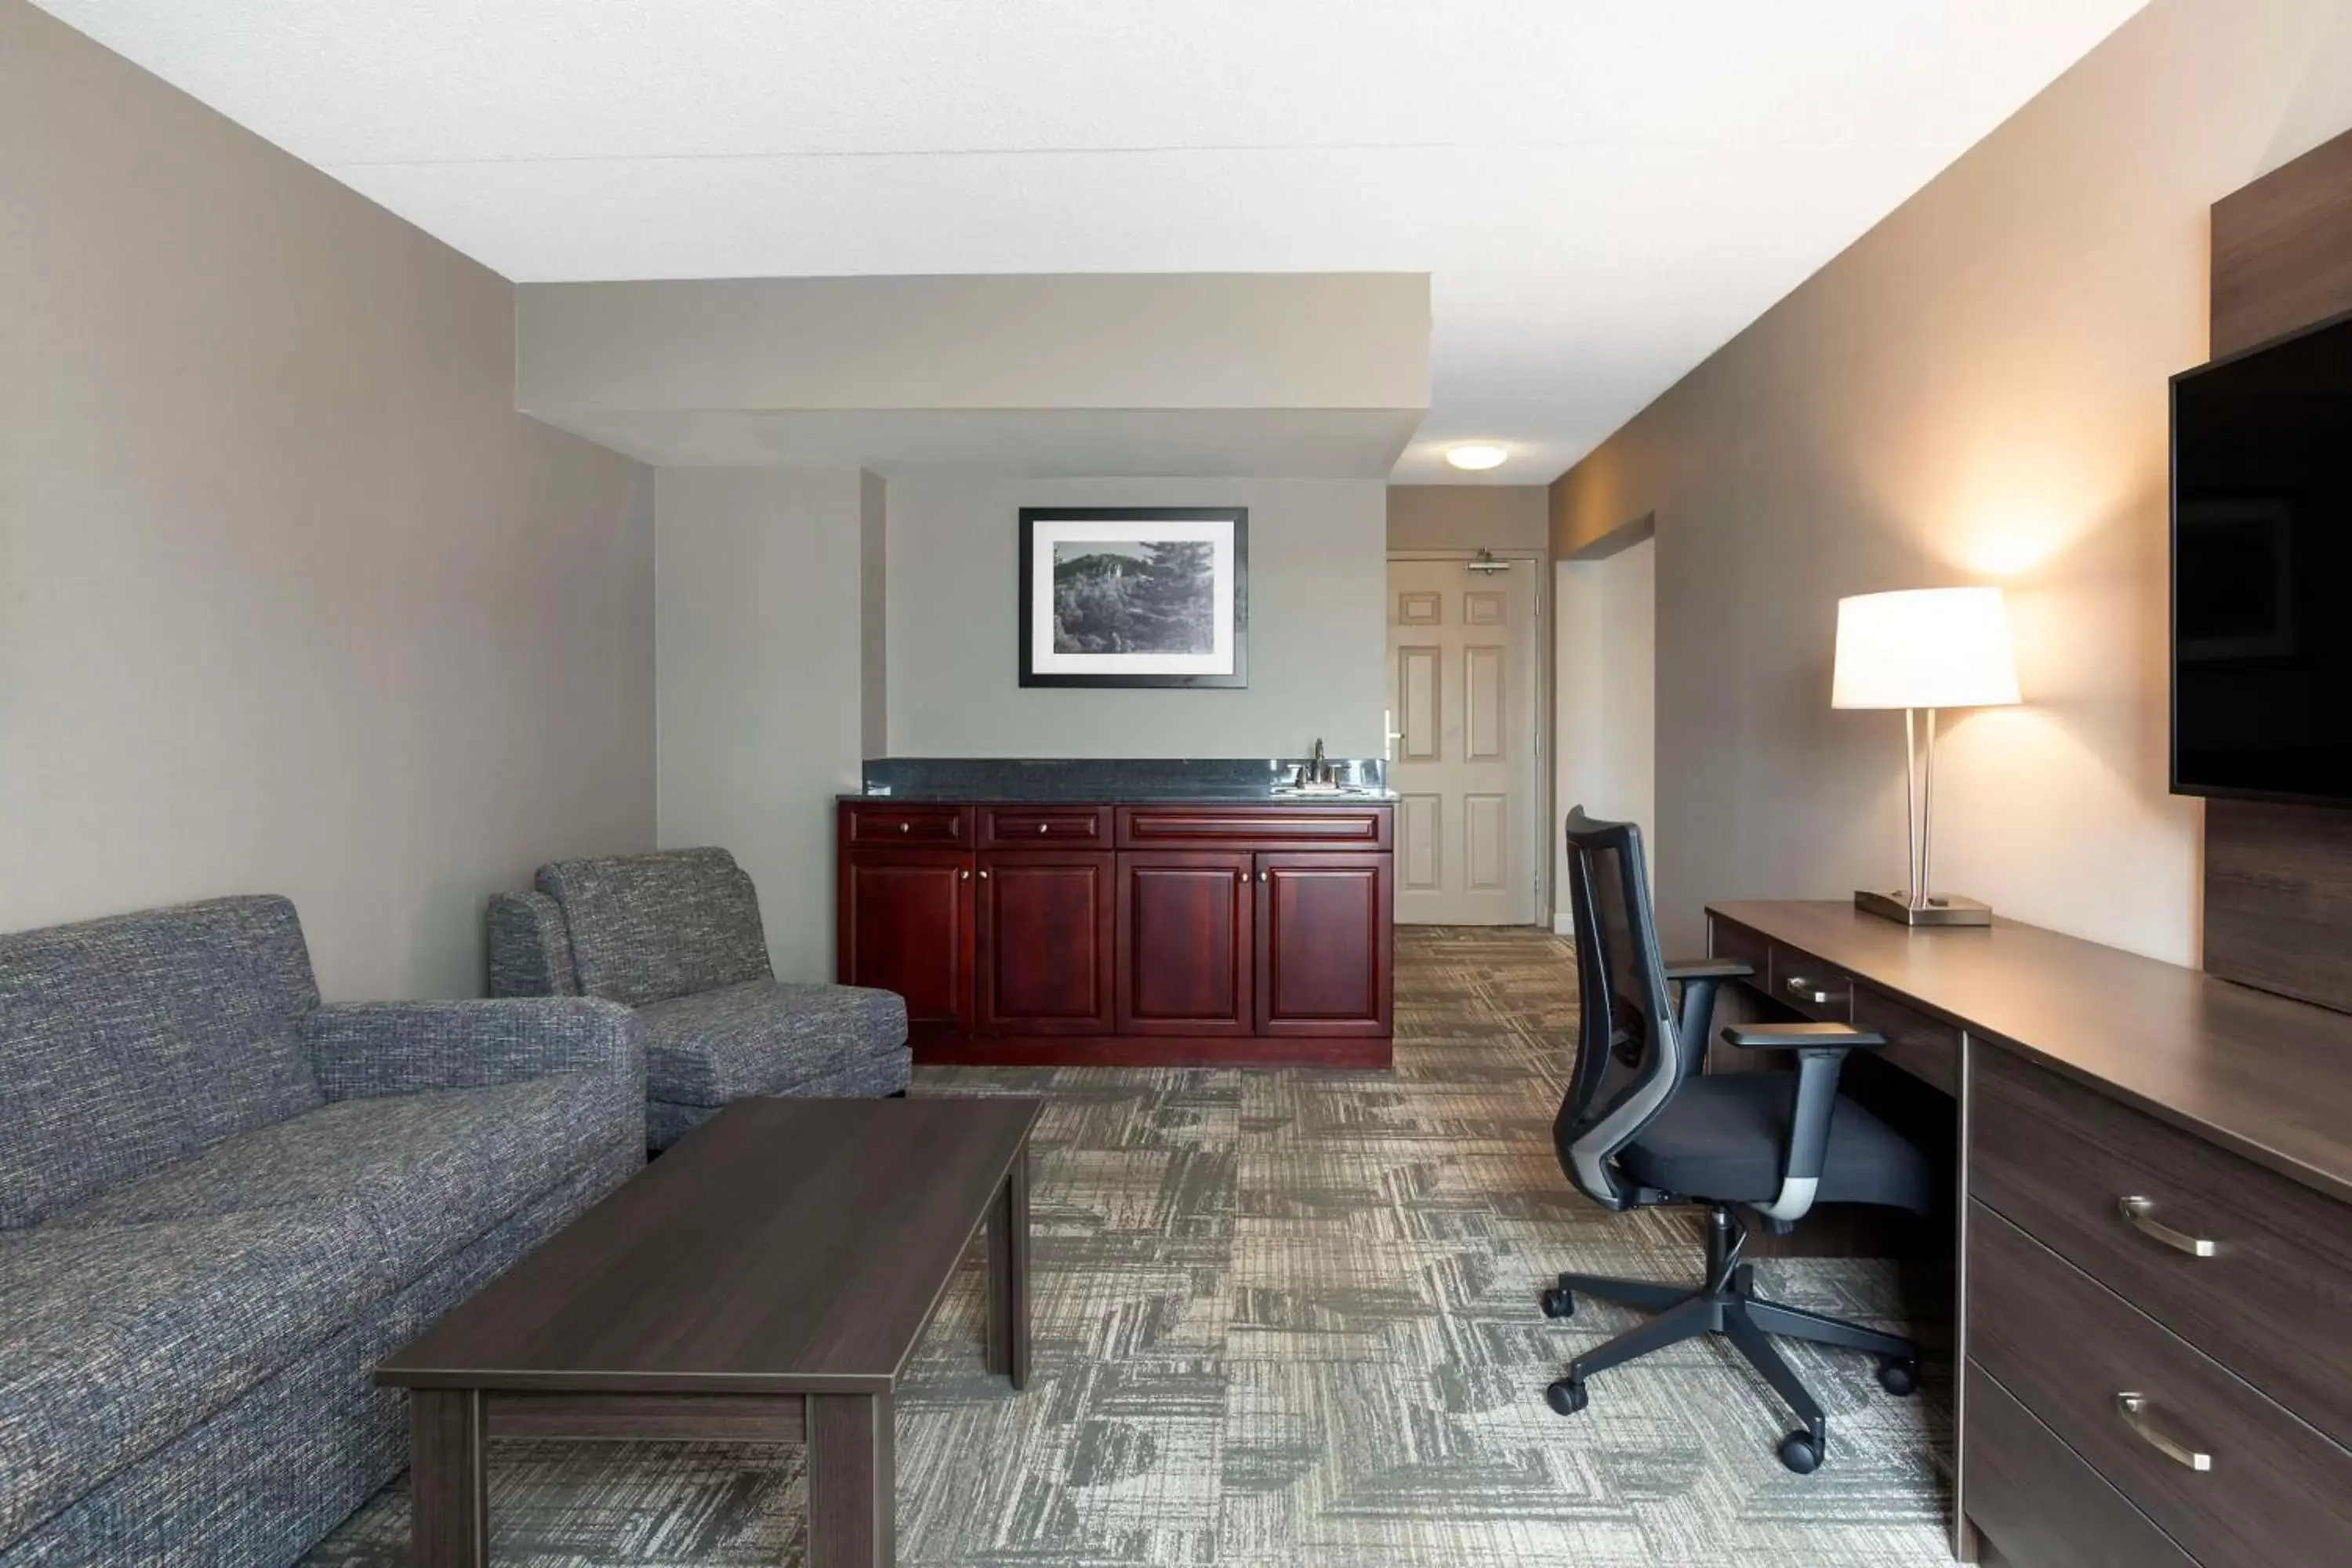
[[1317, 627], [292, 599], [764, 702]]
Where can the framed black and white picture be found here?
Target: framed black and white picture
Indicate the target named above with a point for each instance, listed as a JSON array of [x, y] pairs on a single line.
[[1135, 596]]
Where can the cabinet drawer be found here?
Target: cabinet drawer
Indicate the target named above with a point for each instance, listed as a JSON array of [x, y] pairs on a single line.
[[1030, 826], [881, 826], [2272, 1490], [2270, 1301], [1248, 826], [1817, 990], [1922, 1046], [2038, 1504]]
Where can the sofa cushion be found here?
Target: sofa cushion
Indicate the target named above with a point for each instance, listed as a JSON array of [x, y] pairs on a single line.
[[128, 1044], [419, 1174], [119, 1338], [770, 1037], [645, 928]]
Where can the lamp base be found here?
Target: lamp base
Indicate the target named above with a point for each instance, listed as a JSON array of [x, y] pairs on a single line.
[[1940, 909]]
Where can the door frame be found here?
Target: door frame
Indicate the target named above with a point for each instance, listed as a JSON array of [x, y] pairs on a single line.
[[1546, 655]]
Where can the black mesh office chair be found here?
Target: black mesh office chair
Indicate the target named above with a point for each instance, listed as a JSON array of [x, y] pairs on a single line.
[[1642, 1125]]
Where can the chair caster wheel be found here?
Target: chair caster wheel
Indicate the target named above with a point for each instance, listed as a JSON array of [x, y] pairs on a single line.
[[1799, 1452], [1566, 1396], [1560, 1301], [1898, 1375]]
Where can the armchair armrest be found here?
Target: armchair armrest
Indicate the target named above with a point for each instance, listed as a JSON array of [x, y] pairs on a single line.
[[363, 1050], [1708, 969], [1821, 1052]]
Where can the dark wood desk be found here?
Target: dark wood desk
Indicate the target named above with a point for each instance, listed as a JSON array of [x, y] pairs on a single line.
[[2104, 1345], [762, 1281]]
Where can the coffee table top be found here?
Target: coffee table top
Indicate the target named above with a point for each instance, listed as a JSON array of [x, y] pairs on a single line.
[[784, 1246]]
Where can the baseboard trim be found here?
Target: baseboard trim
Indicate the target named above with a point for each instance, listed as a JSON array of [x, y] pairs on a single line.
[[1563, 925]]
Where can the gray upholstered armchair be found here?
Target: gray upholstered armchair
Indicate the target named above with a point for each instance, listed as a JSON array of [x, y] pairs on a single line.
[[676, 935]]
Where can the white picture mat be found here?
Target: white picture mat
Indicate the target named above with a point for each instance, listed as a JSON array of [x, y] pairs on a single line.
[[1217, 533]]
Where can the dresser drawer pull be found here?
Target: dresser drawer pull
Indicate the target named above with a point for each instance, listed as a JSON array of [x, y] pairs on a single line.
[[2140, 1215], [1805, 990], [2133, 1408]]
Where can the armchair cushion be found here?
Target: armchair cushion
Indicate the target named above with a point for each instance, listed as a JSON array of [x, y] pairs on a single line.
[[646, 928], [775, 1037], [1724, 1136]]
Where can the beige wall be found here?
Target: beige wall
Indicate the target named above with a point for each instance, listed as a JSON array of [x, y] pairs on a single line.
[[291, 598], [1318, 588], [1606, 697], [1469, 517], [762, 696], [1974, 392]]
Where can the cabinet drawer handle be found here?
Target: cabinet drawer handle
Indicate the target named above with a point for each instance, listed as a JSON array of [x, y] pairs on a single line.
[[1805, 990], [2133, 1408], [906, 828], [1042, 827], [2140, 1215]]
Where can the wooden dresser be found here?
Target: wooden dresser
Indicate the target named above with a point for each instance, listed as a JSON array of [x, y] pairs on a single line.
[[1152, 933], [2155, 1312]]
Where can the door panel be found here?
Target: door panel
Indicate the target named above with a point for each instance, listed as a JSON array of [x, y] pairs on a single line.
[[1184, 963], [1462, 687], [1045, 924], [1323, 952], [906, 926]]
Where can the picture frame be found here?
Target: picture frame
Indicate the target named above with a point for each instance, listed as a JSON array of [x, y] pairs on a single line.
[[1134, 597]]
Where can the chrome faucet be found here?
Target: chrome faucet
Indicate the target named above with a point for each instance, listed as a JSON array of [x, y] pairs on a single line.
[[1316, 772]]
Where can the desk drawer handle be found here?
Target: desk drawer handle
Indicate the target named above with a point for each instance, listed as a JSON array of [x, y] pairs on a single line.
[[1805, 990], [2140, 1215], [2133, 1408]]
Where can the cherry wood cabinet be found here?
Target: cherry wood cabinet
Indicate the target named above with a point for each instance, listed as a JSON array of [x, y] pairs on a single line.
[[1138, 934], [1045, 957], [1186, 960]]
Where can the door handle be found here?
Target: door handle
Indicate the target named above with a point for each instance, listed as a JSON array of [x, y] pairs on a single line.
[[983, 876], [1392, 734], [965, 876], [1261, 876]]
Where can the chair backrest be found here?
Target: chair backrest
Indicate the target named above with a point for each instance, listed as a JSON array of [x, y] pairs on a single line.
[[1628, 1051], [647, 927], [131, 1043]]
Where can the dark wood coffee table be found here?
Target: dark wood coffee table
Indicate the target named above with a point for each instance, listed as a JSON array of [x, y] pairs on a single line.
[[762, 1281]]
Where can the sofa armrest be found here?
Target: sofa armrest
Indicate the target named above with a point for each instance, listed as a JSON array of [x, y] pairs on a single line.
[[362, 1050]]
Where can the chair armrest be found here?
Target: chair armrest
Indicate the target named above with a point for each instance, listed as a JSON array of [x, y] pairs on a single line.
[[1709, 969], [363, 1050], [1805, 1036]]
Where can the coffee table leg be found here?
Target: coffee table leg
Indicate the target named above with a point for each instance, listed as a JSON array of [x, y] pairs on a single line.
[[851, 1481], [1008, 1275], [448, 1478]]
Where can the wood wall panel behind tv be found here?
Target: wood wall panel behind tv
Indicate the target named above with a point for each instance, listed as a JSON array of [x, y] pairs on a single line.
[[2278, 879]]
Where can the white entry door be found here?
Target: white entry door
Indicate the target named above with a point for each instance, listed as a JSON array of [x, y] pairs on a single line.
[[1462, 700]]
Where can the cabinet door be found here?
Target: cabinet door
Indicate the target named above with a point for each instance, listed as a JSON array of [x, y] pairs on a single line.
[[1045, 931], [1323, 948], [906, 926], [1183, 961]]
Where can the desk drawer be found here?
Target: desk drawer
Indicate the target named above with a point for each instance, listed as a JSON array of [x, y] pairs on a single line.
[[2271, 1301], [1045, 826], [1817, 990], [2273, 1490], [880, 826], [2039, 1504], [1923, 1046], [1729, 939]]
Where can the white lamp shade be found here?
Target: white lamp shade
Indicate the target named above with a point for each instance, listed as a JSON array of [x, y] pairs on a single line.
[[1925, 648]]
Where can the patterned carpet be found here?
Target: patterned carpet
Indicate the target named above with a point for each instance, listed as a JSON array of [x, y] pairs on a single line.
[[1289, 1318]]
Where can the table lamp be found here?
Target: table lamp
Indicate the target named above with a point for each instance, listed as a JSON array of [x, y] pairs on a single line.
[[1923, 648]]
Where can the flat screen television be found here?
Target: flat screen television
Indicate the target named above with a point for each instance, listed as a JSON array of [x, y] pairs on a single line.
[[2261, 572]]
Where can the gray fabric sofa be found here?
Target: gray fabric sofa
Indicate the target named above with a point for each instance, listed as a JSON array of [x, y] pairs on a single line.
[[222, 1203], [677, 936]]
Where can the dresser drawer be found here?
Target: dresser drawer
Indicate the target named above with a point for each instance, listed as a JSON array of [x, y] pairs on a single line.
[[2038, 1504], [1032, 827], [878, 826], [1246, 826], [1817, 990], [1925, 1048], [2270, 1302], [2273, 1490]]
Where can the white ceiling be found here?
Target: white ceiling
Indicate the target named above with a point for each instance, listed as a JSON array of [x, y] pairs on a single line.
[[1603, 191]]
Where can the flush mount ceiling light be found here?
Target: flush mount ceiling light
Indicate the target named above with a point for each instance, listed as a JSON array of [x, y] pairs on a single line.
[[1476, 456]]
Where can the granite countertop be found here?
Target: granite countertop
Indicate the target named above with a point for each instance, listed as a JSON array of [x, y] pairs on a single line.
[[1078, 794], [1117, 781]]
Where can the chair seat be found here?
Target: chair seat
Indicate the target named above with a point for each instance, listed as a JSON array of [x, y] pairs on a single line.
[[1722, 1136], [771, 1037]]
